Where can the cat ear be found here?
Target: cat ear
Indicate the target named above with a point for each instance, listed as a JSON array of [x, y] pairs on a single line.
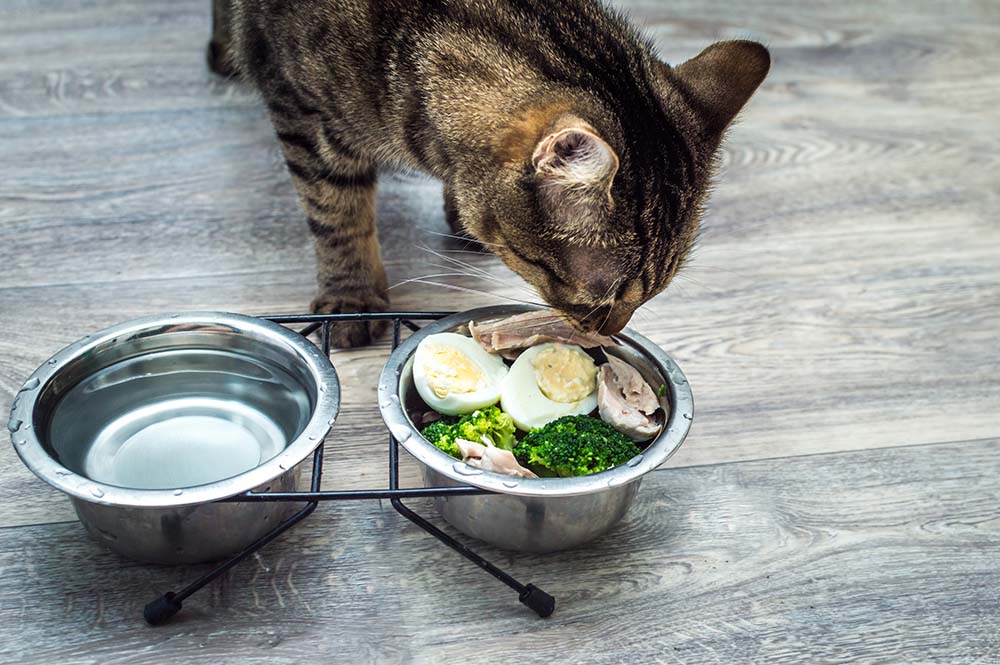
[[575, 169], [721, 79], [575, 162]]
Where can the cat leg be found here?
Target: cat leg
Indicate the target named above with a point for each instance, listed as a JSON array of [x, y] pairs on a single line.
[[338, 195], [219, 55]]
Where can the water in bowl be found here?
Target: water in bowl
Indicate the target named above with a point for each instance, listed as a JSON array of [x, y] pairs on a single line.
[[178, 418]]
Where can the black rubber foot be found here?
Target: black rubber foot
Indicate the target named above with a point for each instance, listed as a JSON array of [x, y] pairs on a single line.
[[161, 610], [542, 603]]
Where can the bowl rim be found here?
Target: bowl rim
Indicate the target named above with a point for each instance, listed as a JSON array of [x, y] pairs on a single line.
[[29, 448], [656, 453]]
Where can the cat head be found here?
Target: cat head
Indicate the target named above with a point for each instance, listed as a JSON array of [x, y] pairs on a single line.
[[601, 197]]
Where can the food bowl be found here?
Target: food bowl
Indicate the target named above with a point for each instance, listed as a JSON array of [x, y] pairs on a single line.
[[537, 514], [147, 424]]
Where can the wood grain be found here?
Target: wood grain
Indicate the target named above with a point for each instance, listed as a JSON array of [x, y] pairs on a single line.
[[845, 297], [875, 556]]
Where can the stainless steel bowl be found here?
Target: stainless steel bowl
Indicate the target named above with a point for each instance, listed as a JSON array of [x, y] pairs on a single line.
[[545, 514], [146, 424]]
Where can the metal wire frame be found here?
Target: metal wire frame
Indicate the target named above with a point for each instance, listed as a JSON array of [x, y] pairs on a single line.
[[166, 606]]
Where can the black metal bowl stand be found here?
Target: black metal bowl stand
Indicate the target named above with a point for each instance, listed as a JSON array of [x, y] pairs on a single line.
[[166, 606]]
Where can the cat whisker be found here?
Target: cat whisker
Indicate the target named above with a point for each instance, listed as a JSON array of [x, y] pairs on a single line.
[[696, 283], [433, 276], [485, 276], [702, 266], [676, 288], [464, 239], [445, 266], [453, 260], [645, 313], [467, 251], [455, 287], [485, 273], [464, 265], [614, 287]]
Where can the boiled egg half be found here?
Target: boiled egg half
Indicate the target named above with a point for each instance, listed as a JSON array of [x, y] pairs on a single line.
[[547, 382], [455, 375]]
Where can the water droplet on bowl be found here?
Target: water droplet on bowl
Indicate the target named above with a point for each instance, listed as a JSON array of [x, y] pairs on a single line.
[[175, 316], [401, 433], [322, 388], [511, 483], [466, 470], [30, 385], [281, 465], [97, 491], [331, 421], [687, 415], [178, 492], [394, 398], [384, 405], [52, 361], [312, 437], [19, 442], [13, 425], [63, 472], [635, 461]]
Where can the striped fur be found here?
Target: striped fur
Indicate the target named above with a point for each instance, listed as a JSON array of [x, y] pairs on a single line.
[[472, 92]]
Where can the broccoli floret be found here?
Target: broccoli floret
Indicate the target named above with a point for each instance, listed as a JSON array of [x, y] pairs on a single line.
[[575, 446], [490, 423], [440, 434]]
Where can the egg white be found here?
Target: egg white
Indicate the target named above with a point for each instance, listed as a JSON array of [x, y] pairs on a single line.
[[459, 404], [527, 405]]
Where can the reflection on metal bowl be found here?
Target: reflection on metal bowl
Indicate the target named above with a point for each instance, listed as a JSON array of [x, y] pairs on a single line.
[[544, 514], [146, 424]]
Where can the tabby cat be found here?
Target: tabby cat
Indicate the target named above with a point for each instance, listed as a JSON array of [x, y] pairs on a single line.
[[565, 145]]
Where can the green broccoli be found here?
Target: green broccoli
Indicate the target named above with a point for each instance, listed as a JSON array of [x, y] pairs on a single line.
[[440, 434], [575, 446], [490, 423]]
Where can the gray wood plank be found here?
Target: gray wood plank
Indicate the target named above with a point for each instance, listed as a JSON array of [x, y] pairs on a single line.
[[874, 556], [846, 294]]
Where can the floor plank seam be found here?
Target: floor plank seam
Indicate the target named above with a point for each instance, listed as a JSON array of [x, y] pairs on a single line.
[[833, 453], [29, 526]]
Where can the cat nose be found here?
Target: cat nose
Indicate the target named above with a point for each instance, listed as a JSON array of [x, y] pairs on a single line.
[[616, 319], [606, 320]]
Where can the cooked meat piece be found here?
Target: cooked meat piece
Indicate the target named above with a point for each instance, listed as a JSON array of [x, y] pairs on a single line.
[[626, 402], [637, 392], [491, 458], [429, 417], [523, 331]]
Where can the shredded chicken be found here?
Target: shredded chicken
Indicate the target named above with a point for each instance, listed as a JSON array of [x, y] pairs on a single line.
[[626, 401], [430, 416], [514, 334], [491, 458]]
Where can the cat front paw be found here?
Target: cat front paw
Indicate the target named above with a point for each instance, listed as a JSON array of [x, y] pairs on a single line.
[[352, 334]]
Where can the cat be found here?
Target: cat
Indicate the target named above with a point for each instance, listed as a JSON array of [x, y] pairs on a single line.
[[565, 145]]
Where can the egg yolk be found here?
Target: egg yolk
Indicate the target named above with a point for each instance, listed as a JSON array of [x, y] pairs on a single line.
[[449, 371], [565, 375]]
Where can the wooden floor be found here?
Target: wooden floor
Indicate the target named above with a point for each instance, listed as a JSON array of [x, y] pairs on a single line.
[[838, 499]]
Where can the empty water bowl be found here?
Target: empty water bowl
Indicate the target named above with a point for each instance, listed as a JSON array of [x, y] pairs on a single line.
[[146, 424]]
